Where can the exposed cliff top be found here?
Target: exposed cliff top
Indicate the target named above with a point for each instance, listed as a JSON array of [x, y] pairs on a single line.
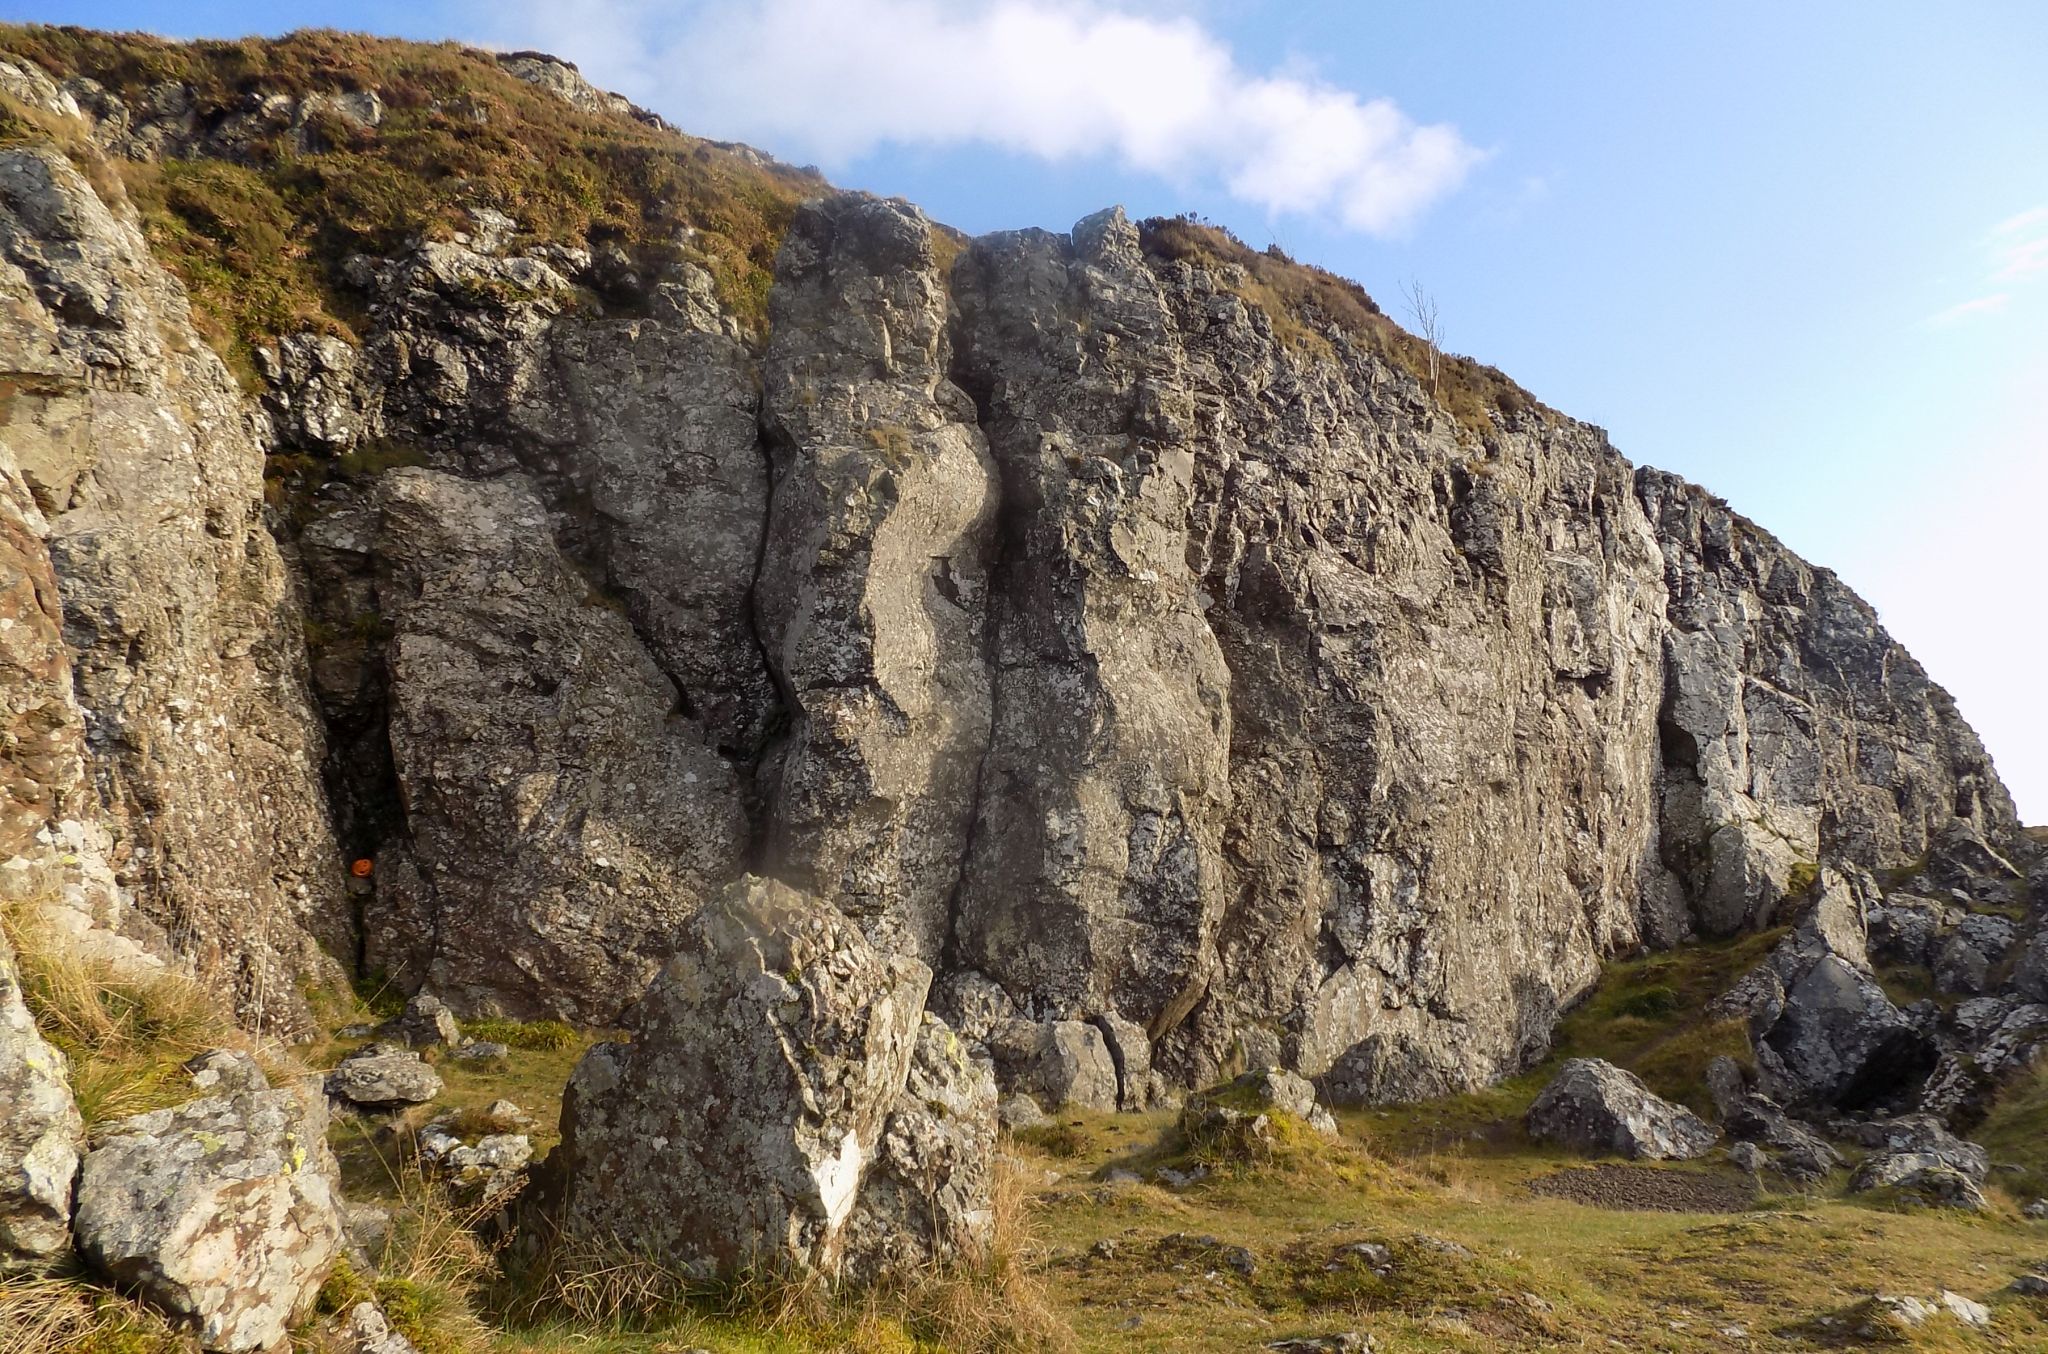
[[260, 166]]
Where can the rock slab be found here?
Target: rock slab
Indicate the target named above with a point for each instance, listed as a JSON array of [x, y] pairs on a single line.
[[1594, 1106], [41, 1136], [748, 1122], [223, 1212]]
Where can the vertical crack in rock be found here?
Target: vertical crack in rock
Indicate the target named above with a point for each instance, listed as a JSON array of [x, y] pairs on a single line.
[[881, 470], [1095, 881]]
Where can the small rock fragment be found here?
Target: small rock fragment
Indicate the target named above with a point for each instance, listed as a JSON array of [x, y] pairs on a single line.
[[382, 1077]]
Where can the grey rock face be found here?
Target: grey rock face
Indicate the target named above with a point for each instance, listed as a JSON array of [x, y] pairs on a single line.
[[1595, 1106], [925, 1198], [1058, 1063], [1964, 962], [224, 1212], [1219, 557], [564, 820], [874, 586], [383, 1076], [768, 1062], [41, 1137], [1094, 881], [186, 658], [1795, 730]]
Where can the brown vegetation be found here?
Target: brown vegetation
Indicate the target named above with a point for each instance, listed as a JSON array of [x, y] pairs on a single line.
[[261, 242], [1307, 305]]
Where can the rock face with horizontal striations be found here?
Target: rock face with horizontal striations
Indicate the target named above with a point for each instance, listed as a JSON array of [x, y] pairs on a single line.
[[1594, 1106], [41, 1137], [763, 1088], [224, 1212]]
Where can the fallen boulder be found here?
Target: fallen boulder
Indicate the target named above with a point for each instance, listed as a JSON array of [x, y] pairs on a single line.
[[493, 1165], [1594, 1106], [1793, 1149], [383, 1077], [41, 1136], [1261, 1091], [744, 1123], [1061, 1064], [426, 1022], [224, 1212]]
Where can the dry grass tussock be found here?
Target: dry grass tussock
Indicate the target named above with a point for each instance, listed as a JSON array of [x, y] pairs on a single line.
[[432, 1271], [990, 1303], [127, 1034], [63, 1316]]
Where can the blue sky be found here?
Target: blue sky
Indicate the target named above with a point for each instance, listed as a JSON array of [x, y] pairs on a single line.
[[1796, 252]]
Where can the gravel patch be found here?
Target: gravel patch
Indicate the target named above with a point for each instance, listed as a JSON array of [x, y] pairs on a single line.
[[1646, 1187]]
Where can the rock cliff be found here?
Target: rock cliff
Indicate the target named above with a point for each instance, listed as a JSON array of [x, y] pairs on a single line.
[[1119, 628]]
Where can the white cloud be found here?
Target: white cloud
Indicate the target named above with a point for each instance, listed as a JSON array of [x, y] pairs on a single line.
[[2014, 254], [832, 80], [1981, 305]]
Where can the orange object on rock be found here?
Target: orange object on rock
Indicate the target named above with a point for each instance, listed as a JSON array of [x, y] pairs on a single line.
[[361, 869]]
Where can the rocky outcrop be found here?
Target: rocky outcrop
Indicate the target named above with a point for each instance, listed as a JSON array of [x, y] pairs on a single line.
[[1144, 650], [563, 819], [223, 1212], [763, 1089], [41, 1137], [1594, 1106], [200, 743], [1795, 730], [874, 586]]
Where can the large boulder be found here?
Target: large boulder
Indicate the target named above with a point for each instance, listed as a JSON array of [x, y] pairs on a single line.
[[1061, 1064], [926, 1197], [224, 1212], [41, 1136], [1838, 1040], [743, 1123], [1594, 1106]]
